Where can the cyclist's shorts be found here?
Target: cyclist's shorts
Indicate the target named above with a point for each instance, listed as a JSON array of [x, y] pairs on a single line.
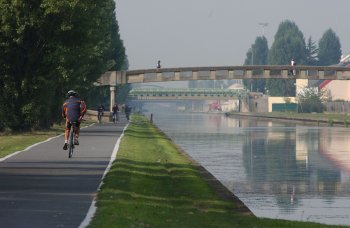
[[69, 124]]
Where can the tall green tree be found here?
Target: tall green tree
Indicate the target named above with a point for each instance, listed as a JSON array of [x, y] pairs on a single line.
[[257, 55], [311, 53], [48, 47], [289, 43], [329, 49]]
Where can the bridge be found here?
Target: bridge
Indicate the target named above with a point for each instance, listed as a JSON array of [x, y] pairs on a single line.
[[114, 78], [186, 93], [221, 73]]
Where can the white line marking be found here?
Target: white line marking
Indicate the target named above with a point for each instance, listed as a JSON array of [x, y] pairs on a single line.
[[34, 145], [92, 209], [28, 148]]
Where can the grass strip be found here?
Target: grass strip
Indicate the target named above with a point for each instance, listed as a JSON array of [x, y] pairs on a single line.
[[12, 142], [152, 184]]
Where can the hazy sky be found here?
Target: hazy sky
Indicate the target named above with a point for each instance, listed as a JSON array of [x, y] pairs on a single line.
[[218, 32]]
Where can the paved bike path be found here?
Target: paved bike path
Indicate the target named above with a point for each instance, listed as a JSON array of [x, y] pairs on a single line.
[[42, 187]]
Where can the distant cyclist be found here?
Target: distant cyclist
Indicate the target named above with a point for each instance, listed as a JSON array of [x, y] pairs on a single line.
[[127, 111], [100, 111], [115, 111], [73, 111]]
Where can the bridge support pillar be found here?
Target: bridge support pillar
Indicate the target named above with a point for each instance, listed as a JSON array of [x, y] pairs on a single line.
[[112, 100]]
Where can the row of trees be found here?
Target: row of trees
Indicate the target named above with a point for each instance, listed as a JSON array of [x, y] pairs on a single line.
[[48, 47], [289, 42]]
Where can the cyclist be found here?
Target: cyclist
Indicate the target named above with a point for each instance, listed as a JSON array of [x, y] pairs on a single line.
[[73, 111], [100, 111], [115, 111], [127, 111]]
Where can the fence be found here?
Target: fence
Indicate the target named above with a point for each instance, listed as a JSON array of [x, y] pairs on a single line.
[[338, 106]]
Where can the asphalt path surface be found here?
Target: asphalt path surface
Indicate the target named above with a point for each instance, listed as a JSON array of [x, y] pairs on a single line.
[[42, 187]]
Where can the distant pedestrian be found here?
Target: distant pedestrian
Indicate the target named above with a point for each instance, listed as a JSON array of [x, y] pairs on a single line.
[[158, 64], [293, 63]]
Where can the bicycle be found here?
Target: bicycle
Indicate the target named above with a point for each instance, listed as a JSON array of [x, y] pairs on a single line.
[[115, 117], [99, 117], [71, 139]]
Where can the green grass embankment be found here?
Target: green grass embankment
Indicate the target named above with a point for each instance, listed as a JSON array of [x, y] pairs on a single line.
[[152, 184]]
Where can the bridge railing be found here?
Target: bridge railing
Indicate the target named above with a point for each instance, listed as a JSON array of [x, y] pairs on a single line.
[[187, 92], [225, 72]]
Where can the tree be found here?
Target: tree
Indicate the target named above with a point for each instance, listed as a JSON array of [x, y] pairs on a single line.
[[329, 49], [312, 99], [257, 55], [288, 43], [48, 47], [311, 53]]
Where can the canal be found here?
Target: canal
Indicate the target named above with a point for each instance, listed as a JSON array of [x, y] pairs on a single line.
[[279, 170]]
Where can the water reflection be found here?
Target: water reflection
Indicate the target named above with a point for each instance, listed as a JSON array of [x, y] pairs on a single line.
[[285, 162], [278, 170]]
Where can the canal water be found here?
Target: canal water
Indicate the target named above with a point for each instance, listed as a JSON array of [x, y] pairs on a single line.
[[279, 170]]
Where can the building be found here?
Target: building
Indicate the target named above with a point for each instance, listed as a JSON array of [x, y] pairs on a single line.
[[339, 89]]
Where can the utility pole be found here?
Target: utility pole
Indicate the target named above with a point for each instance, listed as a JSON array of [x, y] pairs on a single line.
[[263, 26]]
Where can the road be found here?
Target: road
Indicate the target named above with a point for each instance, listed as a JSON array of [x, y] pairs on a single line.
[[42, 187]]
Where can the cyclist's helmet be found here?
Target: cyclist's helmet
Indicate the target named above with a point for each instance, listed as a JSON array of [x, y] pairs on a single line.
[[71, 93]]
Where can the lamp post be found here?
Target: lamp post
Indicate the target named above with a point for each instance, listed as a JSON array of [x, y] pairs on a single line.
[[263, 26]]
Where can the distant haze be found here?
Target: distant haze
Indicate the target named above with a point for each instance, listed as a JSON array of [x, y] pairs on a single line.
[[218, 33]]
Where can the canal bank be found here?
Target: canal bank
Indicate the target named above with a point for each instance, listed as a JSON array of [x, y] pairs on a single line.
[[153, 183], [319, 119]]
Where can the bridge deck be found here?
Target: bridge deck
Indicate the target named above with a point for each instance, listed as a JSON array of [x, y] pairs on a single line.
[[225, 72]]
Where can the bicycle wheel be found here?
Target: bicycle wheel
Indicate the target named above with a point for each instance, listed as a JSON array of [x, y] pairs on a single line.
[[115, 118], [71, 142], [99, 118]]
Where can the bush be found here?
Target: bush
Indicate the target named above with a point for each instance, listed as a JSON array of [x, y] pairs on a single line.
[[309, 107]]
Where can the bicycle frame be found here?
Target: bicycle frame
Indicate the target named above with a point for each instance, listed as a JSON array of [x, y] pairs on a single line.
[[71, 138], [99, 117], [115, 117]]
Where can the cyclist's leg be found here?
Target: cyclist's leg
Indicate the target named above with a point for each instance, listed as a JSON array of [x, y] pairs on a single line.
[[66, 134], [115, 117], [67, 130], [77, 131]]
